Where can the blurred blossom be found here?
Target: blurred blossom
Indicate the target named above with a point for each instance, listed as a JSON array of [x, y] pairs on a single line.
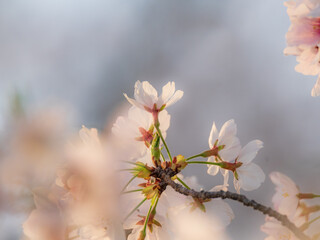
[[302, 212], [85, 191], [31, 154], [285, 199], [189, 221], [303, 38]]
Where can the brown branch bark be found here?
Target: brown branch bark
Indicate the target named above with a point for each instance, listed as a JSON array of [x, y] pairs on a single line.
[[166, 175]]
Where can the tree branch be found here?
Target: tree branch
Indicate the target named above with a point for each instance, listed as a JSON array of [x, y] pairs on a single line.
[[166, 175]]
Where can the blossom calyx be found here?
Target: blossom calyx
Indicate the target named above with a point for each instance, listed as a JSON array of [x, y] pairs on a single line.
[[150, 188], [306, 195], [214, 151], [142, 235], [198, 203], [230, 166], [142, 170], [178, 163]]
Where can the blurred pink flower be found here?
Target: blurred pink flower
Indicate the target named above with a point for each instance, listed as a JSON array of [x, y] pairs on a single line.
[[303, 38]]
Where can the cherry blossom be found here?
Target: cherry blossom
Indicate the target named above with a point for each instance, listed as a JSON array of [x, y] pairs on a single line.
[[94, 198], [224, 145], [225, 149], [248, 175], [285, 200], [136, 132], [146, 97]]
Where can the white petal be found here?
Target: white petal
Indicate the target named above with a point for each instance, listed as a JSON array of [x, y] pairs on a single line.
[[140, 117], [292, 51], [213, 135], [134, 235], [250, 176], [283, 181], [229, 129], [212, 169], [145, 94], [231, 150], [149, 92], [249, 152], [167, 93], [164, 119], [221, 209], [149, 89], [236, 185], [134, 102], [89, 136], [176, 97]]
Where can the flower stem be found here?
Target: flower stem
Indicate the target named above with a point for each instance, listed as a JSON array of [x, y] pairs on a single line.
[[195, 156], [131, 191], [126, 169], [307, 195], [134, 163], [307, 224], [151, 209], [163, 141], [162, 157], [133, 210], [128, 183], [183, 183], [155, 206], [201, 162]]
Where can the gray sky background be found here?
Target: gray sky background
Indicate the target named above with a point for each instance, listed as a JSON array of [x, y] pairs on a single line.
[[225, 55]]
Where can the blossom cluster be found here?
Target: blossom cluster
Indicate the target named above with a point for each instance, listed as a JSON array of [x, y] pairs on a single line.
[[123, 184], [111, 187]]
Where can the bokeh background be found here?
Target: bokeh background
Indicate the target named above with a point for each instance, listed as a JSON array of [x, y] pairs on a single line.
[[227, 56]]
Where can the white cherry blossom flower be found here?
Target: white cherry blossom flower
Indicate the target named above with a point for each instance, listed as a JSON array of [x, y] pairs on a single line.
[[285, 199], [224, 145], [137, 130], [146, 96], [248, 176]]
